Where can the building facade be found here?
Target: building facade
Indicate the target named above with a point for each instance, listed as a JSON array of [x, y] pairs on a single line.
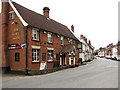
[[32, 41]]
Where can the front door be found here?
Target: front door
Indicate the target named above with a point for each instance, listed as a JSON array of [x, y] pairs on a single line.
[[63, 59]]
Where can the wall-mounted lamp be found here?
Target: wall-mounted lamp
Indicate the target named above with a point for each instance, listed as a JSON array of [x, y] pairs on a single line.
[[14, 23]]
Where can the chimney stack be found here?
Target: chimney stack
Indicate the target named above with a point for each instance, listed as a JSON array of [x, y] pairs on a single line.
[[89, 42], [46, 11], [86, 40], [72, 28], [81, 36]]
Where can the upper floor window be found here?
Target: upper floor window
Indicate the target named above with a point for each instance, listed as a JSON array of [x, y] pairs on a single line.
[[71, 41], [62, 40], [11, 15], [35, 34], [50, 38], [79, 45]]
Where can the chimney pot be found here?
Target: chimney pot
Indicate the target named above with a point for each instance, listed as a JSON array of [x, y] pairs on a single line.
[[72, 28]]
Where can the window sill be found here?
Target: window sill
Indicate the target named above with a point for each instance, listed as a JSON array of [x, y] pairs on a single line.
[[35, 61], [62, 44], [35, 40], [50, 43], [50, 61]]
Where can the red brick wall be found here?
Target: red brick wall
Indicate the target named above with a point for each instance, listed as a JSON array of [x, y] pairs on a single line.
[[16, 35], [4, 34], [43, 40]]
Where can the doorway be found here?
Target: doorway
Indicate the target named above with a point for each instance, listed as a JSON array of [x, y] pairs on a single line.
[[63, 59]]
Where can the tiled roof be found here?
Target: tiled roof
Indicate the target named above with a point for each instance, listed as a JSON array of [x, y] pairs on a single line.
[[39, 21], [67, 48]]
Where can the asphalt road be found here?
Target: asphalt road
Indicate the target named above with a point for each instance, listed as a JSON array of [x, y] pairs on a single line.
[[101, 73]]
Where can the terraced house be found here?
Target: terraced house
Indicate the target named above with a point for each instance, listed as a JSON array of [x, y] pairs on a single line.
[[32, 41]]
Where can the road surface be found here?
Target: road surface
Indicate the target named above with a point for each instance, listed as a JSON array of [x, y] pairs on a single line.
[[101, 73]]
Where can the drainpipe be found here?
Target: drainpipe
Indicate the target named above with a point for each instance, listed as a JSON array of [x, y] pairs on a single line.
[[26, 41]]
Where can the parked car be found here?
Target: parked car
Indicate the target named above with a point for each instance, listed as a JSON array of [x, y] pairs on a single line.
[[118, 58], [114, 57], [108, 57]]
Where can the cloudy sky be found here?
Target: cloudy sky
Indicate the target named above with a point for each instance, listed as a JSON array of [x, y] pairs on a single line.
[[95, 19]]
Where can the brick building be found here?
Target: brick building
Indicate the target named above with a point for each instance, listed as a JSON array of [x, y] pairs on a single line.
[[31, 41]]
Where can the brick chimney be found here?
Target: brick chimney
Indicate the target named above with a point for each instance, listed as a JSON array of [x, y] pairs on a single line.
[[46, 11], [81, 36], [86, 40], [72, 28], [89, 42]]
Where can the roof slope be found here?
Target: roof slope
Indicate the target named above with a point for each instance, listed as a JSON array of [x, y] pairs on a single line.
[[40, 21]]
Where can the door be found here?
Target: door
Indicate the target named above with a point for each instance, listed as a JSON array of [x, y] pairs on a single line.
[[63, 59]]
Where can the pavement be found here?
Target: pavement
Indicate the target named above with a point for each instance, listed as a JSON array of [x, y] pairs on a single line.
[[100, 73]]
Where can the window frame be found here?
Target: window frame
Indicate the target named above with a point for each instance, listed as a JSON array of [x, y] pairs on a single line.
[[44, 56], [11, 15], [50, 37], [62, 40], [35, 55], [35, 32], [17, 56], [50, 54]]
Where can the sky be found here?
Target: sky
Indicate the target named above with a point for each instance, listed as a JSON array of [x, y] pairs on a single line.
[[97, 20]]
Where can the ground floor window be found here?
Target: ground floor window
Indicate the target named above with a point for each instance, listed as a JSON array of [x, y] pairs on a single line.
[[50, 55], [17, 56], [35, 54]]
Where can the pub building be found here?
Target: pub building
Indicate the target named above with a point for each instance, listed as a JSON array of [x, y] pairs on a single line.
[[31, 41]]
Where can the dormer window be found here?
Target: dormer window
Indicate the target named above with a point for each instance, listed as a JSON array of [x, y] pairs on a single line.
[[71, 41], [35, 34], [50, 38], [11, 15], [62, 40]]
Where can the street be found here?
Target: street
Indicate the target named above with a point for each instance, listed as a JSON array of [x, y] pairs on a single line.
[[101, 73]]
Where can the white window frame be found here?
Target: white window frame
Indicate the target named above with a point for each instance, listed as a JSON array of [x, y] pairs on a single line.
[[51, 55], [62, 40], [11, 15], [35, 32], [50, 38], [36, 55]]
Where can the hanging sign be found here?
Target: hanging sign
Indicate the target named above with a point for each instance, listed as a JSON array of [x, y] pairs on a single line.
[[17, 46]]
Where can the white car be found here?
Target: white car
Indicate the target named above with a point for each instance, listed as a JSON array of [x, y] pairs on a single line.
[[108, 57]]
